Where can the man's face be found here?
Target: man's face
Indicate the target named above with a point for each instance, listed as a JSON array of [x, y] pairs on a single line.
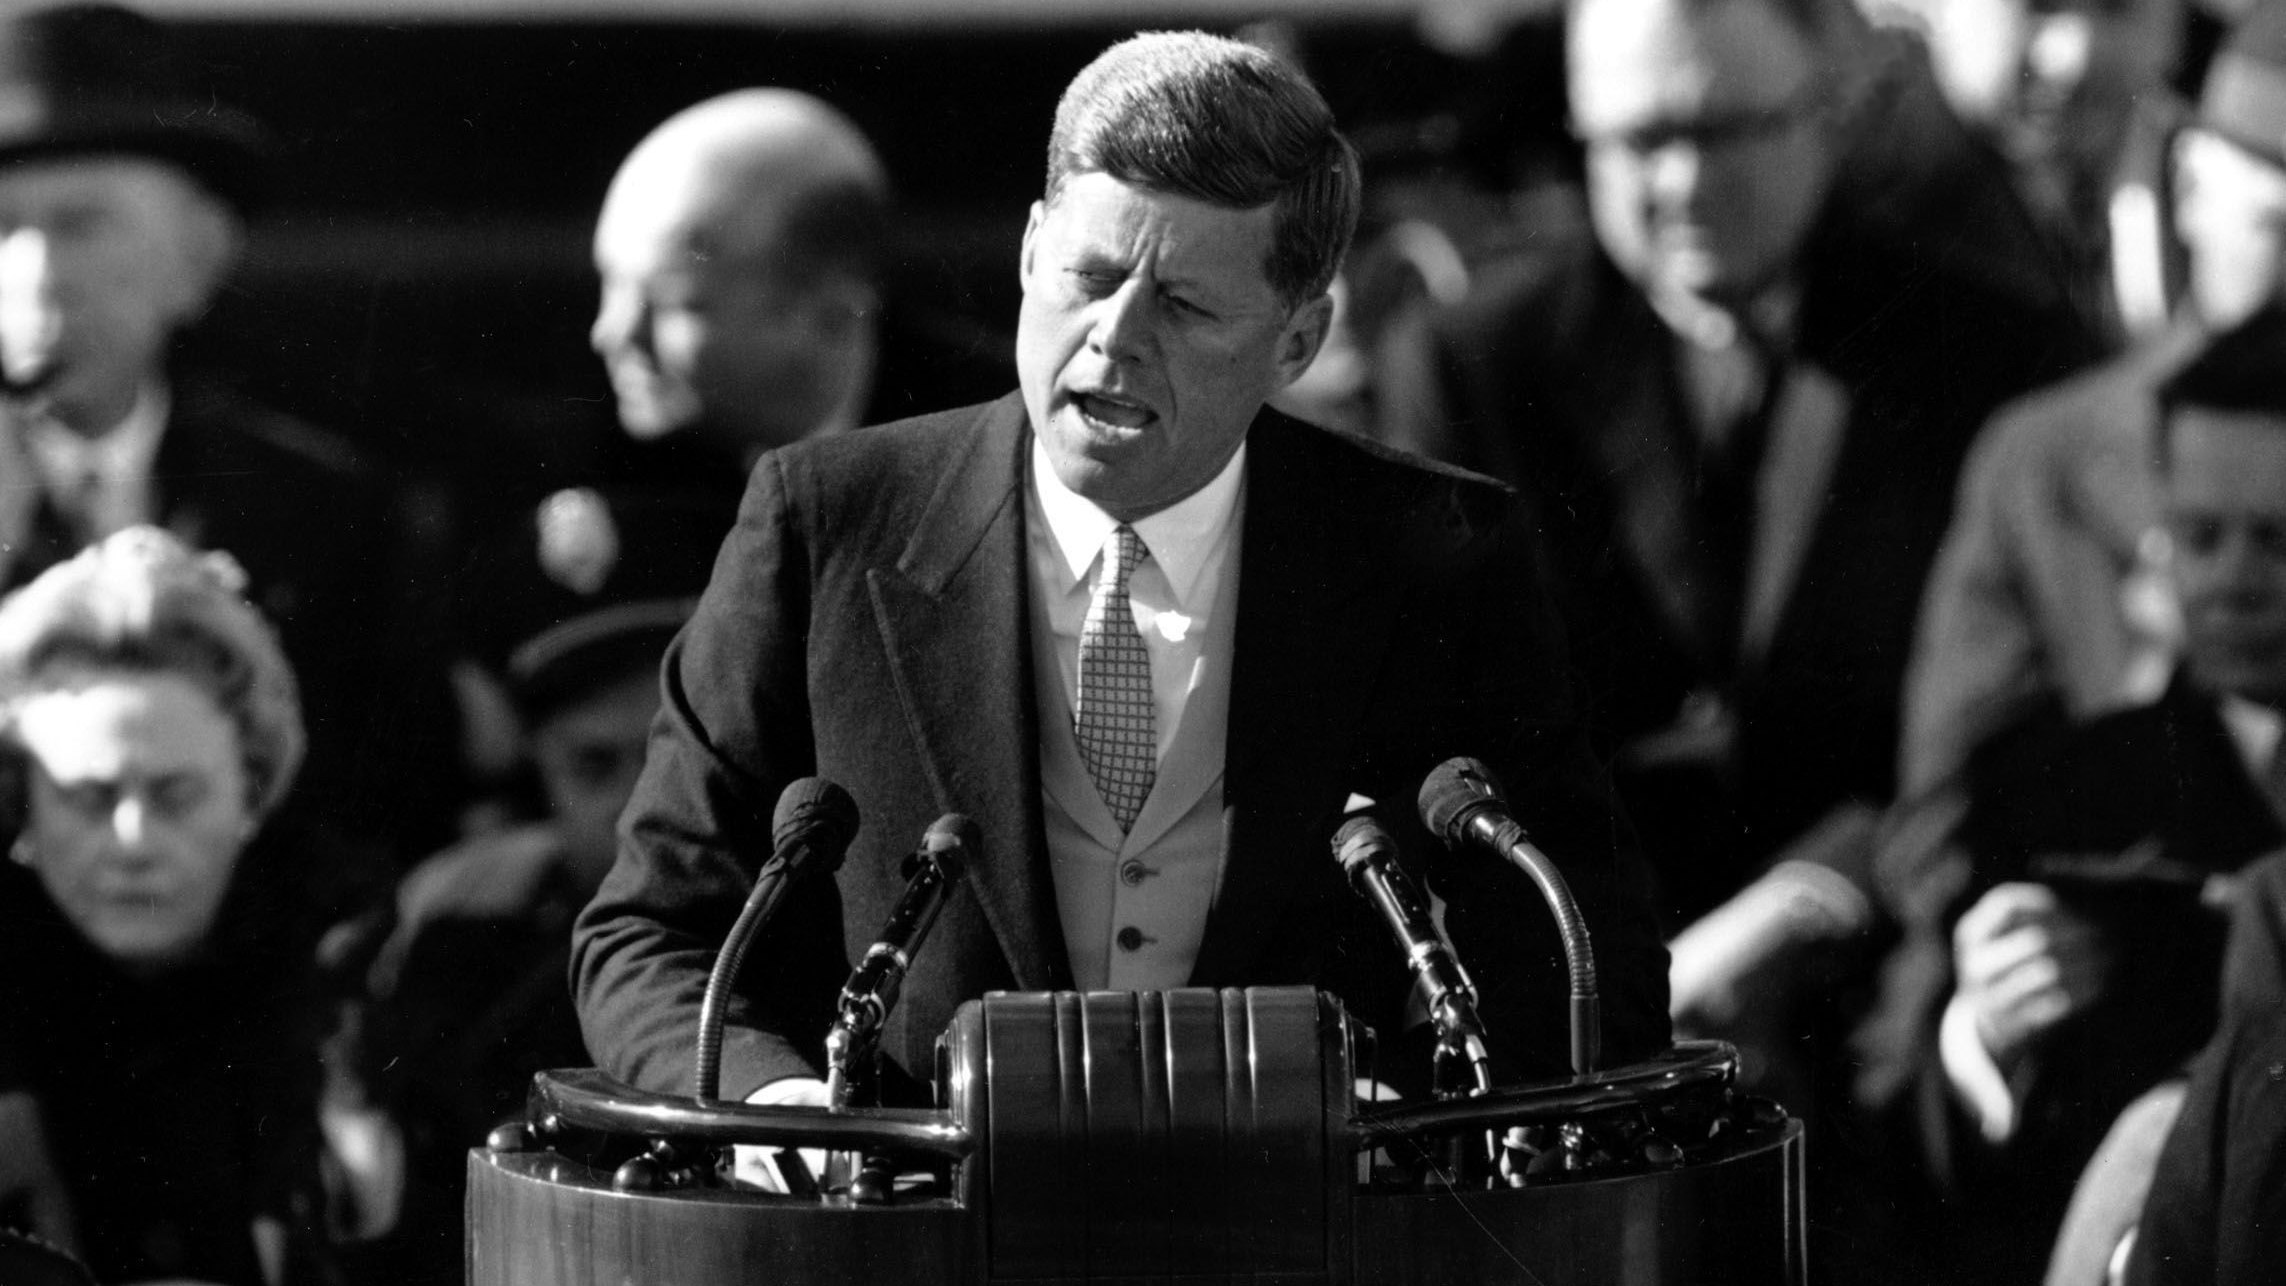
[[138, 810], [101, 259], [1709, 149], [2054, 80], [1149, 338], [589, 754], [2225, 496], [2230, 209], [693, 336]]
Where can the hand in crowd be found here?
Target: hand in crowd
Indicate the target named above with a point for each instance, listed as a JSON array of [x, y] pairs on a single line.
[[1735, 968], [2025, 963]]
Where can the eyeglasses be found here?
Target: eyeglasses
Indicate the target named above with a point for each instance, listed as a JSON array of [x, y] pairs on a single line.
[[1713, 133]]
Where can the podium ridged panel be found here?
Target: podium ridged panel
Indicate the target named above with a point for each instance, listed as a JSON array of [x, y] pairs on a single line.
[[1164, 1137]]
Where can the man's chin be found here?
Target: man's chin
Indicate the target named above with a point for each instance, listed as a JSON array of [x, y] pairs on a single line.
[[647, 422]]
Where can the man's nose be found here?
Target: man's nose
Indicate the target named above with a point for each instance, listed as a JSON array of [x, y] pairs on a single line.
[[2060, 49], [1671, 175], [131, 825], [27, 301], [1122, 322], [620, 320]]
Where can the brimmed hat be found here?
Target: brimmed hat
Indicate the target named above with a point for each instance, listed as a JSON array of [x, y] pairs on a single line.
[[594, 584], [2244, 98], [96, 78]]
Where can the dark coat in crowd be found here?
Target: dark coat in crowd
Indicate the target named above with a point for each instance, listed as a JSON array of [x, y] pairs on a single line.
[[868, 623], [176, 1108], [1743, 623], [316, 530], [468, 996], [2217, 1210], [2126, 816]]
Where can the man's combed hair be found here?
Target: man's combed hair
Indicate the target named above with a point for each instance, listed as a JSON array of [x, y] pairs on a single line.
[[1223, 122], [142, 600]]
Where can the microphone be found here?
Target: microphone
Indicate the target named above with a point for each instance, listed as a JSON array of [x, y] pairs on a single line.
[[1461, 804], [930, 874], [812, 827], [1368, 857]]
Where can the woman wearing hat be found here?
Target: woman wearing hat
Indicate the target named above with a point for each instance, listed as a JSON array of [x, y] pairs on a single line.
[[158, 1074]]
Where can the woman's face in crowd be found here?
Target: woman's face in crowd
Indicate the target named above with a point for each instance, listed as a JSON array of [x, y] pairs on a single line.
[[138, 809]]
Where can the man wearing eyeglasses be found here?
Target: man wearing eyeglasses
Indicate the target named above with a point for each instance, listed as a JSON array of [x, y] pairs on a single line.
[[1740, 412]]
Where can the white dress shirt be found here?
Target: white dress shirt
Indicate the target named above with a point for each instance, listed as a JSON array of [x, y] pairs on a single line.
[[1134, 906]]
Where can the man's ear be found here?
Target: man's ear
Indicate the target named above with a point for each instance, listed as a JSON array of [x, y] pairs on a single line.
[[1304, 335], [838, 307], [1031, 230], [209, 236]]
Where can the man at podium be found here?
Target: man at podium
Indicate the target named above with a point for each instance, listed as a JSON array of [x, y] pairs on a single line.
[[1149, 635]]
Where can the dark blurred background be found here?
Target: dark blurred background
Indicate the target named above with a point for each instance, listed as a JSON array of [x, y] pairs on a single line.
[[421, 278]]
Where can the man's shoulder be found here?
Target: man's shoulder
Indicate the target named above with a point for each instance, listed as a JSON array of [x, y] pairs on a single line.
[[2113, 403], [1879, 306], [1365, 462], [1402, 505], [2084, 442]]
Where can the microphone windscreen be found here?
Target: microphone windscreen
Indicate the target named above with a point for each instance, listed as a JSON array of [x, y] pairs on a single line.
[[1358, 840], [1451, 791], [817, 817], [952, 839]]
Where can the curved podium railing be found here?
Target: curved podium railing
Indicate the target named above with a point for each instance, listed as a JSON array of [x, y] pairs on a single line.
[[1160, 1137]]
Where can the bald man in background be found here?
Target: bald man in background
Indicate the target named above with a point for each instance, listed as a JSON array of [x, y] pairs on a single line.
[[743, 249], [746, 251]]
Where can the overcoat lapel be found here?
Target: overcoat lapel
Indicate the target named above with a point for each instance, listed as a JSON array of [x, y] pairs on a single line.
[[952, 617], [1632, 400], [1808, 427], [1317, 600]]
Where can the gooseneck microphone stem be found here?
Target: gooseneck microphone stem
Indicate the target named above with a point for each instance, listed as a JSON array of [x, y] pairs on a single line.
[[769, 890], [810, 831], [1461, 803]]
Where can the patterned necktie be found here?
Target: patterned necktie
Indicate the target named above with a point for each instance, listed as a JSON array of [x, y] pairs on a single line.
[[1114, 720]]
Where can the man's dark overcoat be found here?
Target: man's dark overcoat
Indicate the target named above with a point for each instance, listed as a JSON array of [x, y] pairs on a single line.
[[1788, 606], [867, 622]]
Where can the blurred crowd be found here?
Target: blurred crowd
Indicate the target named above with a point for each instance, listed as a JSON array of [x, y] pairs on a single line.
[[1897, 389]]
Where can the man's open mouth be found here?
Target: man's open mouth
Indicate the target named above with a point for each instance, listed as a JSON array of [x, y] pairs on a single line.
[[1114, 411]]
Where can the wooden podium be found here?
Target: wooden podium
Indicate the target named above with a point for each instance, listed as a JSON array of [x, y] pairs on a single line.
[[1180, 1136]]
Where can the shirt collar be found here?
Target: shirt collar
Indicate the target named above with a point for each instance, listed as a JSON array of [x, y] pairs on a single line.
[[126, 451], [1180, 537]]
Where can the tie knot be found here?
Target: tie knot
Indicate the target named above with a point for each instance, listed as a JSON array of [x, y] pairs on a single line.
[[1124, 553]]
